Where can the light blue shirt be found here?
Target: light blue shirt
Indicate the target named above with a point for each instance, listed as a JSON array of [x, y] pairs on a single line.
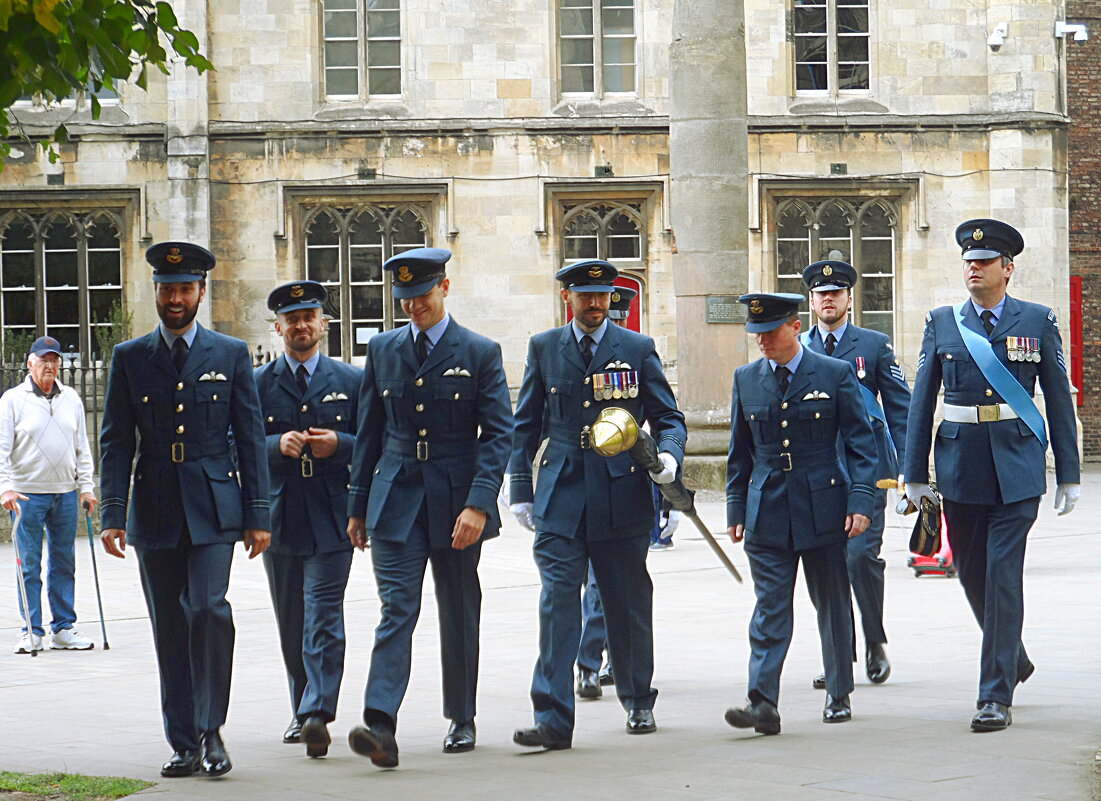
[[840, 332], [596, 335], [188, 336], [434, 333], [311, 365], [792, 365], [997, 310]]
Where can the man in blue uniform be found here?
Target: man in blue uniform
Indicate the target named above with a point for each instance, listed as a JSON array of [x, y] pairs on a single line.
[[880, 376], [309, 403], [174, 398], [586, 507], [990, 450], [788, 497], [434, 433]]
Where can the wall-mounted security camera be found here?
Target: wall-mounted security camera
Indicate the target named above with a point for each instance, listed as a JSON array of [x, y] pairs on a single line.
[[1081, 32], [997, 38]]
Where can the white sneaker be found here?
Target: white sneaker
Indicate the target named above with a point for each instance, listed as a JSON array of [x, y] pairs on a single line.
[[28, 642], [70, 640]]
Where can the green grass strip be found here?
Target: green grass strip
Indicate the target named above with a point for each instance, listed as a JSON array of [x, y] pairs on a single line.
[[70, 786]]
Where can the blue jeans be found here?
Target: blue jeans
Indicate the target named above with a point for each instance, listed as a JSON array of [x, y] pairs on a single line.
[[55, 515]]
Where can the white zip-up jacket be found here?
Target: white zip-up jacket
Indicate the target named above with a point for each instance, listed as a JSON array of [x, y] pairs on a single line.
[[43, 442]]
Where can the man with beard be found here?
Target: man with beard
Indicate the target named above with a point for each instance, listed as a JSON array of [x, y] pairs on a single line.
[[588, 508], [869, 352], [309, 403], [173, 398]]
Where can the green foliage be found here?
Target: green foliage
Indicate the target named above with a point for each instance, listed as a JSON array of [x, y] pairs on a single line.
[[121, 328], [70, 786], [17, 344], [55, 48]]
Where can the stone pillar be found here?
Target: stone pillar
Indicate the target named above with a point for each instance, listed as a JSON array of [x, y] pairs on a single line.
[[709, 165]]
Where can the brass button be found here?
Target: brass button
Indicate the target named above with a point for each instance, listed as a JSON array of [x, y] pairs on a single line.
[[214, 396], [457, 396], [179, 385], [783, 424], [419, 382], [271, 419], [385, 393], [632, 468], [753, 417], [948, 356], [230, 474], [423, 432], [833, 482], [420, 407], [145, 399], [989, 392], [784, 405], [179, 407], [304, 407], [587, 379], [554, 390], [787, 442], [339, 418], [179, 429], [138, 476], [376, 471], [586, 404], [817, 415], [543, 463]]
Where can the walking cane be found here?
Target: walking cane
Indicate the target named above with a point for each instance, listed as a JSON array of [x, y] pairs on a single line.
[[16, 517], [95, 572]]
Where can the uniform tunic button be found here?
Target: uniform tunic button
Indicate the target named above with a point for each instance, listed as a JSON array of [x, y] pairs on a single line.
[[948, 356], [554, 390], [179, 429], [138, 476], [784, 405], [179, 407], [419, 382], [989, 392], [304, 407], [833, 482], [587, 379], [230, 474], [457, 396], [817, 415], [179, 385], [632, 468], [753, 417], [145, 399], [586, 404], [214, 396], [420, 407], [787, 442], [423, 432], [376, 471], [543, 463], [338, 418], [783, 424], [271, 419], [385, 393]]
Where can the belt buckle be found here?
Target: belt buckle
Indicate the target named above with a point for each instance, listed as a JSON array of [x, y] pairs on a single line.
[[422, 451], [177, 452], [990, 414], [788, 456], [307, 466], [585, 439]]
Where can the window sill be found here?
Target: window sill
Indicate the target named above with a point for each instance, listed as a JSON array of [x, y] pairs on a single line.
[[393, 109], [616, 105], [845, 104]]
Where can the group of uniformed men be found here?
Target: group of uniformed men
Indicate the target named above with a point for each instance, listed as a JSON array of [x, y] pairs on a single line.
[[312, 457]]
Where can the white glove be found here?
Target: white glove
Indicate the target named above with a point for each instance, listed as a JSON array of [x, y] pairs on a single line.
[[915, 492], [670, 525], [522, 513], [1066, 495], [669, 468]]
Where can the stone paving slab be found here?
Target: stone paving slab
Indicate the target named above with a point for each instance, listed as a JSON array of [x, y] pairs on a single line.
[[97, 712]]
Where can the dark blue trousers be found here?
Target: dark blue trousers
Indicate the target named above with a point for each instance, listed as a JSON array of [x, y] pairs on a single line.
[[627, 595], [308, 595], [988, 546], [399, 574], [185, 591], [774, 571], [866, 570], [594, 634]]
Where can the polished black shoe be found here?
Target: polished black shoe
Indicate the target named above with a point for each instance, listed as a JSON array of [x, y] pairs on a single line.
[[876, 663], [819, 682], [460, 738], [837, 710], [315, 734], [761, 716], [182, 763], [539, 737], [641, 721], [1026, 674], [293, 734], [991, 716], [376, 743], [605, 676], [215, 761], [588, 686]]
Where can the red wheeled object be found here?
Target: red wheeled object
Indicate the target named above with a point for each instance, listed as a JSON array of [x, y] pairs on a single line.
[[940, 563]]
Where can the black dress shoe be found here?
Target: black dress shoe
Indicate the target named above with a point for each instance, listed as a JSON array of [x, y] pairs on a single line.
[[377, 743], [293, 734], [315, 734], [991, 716], [539, 737], [215, 761], [605, 676], [588, 686], [837, 710], [1026, 674], [182, 763], [819, 682], [460, 738], [876, 663], [761, 716], [641, 721]]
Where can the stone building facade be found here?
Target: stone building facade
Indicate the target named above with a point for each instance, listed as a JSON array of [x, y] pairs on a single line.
[[523, 133]]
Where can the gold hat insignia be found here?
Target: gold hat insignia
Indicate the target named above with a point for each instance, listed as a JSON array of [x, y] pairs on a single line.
[[173, 256], [615, 297], [755, 307], [297, 291], [404, 274], [978, 235], [827, 270], [596, 272]]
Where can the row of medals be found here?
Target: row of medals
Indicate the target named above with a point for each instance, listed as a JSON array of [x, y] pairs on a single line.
[[622, 384], [1022, 349]]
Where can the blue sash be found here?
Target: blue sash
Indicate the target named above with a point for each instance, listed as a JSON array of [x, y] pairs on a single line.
[[999, 377]]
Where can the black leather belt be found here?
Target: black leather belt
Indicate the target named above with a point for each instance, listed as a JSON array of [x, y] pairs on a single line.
[[788, 461], [425, 450]]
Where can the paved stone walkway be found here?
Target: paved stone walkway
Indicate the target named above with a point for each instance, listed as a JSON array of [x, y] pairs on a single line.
[[97, 712]]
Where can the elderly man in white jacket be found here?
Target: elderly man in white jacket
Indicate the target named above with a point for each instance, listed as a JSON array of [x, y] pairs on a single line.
[[44, 462]]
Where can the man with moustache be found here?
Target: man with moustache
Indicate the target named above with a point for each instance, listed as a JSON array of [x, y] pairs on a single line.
[[588, 508], [877, 369], [310, 404], [173, 399], [433, 436], [990, 454], [789, 498]]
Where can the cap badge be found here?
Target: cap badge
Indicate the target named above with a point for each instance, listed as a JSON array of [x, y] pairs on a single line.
[[297, 291], [827, 270], [596, 272], [615, 297], [404, 274], [755, 307], [174, 256], [977, 236]]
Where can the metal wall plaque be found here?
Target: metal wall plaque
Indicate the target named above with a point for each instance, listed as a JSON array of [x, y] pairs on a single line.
[[726, 309]]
